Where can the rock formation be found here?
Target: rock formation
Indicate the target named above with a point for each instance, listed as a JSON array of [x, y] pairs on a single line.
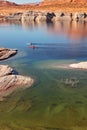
[[80, 65], [7, 3], [61, 1], [47, 16], [9, 81], [6, 53]]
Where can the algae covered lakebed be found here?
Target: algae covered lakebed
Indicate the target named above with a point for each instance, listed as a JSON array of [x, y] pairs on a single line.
[[50, 104]]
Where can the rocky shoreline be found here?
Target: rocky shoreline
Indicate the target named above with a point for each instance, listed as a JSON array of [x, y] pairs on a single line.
[[9, 81], [40, 16]]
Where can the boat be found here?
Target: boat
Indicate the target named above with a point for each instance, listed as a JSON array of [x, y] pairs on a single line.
[[32, 46]]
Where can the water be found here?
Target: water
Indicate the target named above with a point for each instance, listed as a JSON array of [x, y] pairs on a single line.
[[50, 104]]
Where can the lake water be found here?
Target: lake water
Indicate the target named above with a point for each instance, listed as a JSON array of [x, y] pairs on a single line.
[[50, 104]]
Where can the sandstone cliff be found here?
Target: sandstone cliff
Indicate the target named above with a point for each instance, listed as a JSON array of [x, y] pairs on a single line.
[[7, 3], [57, 1], [7, 8]]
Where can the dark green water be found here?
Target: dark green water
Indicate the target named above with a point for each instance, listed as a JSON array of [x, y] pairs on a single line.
[[51, 103]]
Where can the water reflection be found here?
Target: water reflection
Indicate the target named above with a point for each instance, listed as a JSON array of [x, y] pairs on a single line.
[[75, 31], [68, 39]]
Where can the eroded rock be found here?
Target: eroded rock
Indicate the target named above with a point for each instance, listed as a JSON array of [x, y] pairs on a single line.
[[6, 53], [9, 81], [47, 16]]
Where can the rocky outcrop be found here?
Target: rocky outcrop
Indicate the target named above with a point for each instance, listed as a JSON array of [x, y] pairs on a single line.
[[6, 53], [37, 16], [81, 65], [15, 16], [79, 16], [9, 81], [62, 16], [47, 16]]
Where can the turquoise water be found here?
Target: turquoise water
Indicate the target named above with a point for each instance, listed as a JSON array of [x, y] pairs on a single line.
[[51, 103]]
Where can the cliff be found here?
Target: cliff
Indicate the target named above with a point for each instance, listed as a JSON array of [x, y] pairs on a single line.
[[70, 6], [57, 1], [7, 3]]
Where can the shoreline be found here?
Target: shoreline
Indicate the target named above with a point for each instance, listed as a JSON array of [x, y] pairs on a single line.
[[9, 81]]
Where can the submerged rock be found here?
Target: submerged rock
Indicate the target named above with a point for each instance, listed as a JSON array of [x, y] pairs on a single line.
[[9, 81]]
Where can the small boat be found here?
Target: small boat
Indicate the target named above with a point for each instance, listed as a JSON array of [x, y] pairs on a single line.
[[32, 46]]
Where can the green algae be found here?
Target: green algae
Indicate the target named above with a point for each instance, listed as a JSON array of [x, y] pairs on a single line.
[[49, 104]]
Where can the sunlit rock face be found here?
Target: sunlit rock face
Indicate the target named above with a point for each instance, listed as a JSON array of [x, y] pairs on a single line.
[[7, 3], [64, 1]]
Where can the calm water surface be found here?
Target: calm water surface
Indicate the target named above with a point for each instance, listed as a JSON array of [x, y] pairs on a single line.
[[51, 103]]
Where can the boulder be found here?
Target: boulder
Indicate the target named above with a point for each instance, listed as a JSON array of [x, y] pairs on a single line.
[[6, 53]]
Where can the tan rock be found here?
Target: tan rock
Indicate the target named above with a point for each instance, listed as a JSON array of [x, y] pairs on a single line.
[[6, 53], [5, 70], [8, 80], [81, 65]]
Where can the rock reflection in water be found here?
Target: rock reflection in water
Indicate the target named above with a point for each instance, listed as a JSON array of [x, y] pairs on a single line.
[[74, 30]]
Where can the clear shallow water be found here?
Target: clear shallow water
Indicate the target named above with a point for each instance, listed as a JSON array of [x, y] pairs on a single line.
[[50, 104]]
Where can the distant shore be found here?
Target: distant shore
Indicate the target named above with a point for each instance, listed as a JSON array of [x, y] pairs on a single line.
[[9, 81]]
